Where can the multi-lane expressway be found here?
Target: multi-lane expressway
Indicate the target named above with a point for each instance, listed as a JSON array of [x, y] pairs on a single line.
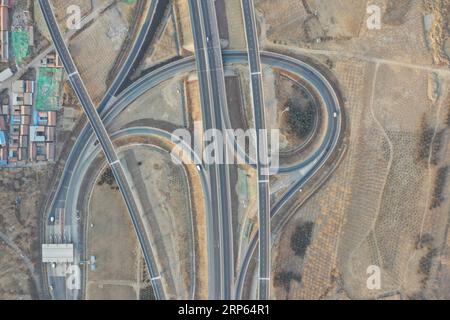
[[313, 164], [214, 101], [187, 65]]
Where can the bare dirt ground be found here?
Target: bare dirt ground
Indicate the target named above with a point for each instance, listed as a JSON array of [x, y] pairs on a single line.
[[107, 291], [241, 72], [247, 220], [236, 108], [183, 25], [294, 96], [164, 103], [192, 93], [373, 210], [108, 32], [22, 196], [285, 94], [341, 28], [236, 38], [309, 274], [385, 204], [166, 46], [62, 14], [112, 240]]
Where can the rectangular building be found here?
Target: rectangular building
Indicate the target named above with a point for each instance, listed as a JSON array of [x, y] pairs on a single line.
[[4, 31], [57, 253], [6, 74]]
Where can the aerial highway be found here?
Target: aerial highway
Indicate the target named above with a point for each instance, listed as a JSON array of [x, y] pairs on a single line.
[[93, 150], [262, 154], [186, 65], [105, 142], [213, 99], [295, 66], [146, 33], [214, 234], [315, 162]]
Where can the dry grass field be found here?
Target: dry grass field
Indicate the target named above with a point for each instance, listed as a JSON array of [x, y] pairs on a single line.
[[162, 104], [162, 188], [22, 197], [15, 280], [114, 244], [165, 47], [183, 24], [386, 204]]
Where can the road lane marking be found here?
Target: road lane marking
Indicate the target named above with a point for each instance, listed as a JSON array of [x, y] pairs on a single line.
[[73, 74], [114, 163], [211, 69]]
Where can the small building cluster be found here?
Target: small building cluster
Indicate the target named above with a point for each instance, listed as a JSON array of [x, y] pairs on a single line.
[[27, 135], [52, 60], [43, 137], [29, 106], [32, 134]]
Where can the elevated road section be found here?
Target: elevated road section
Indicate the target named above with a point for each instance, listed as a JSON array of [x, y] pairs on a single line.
[[214, 229], [214, 100], [263, 161], [105, 142], [314, 164]]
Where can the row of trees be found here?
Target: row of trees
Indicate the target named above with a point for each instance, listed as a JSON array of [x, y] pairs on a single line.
[[439, 188]]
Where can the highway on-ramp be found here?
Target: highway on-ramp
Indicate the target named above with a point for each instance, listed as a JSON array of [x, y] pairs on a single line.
[[316, 161], [311, 166], [187, 65], [105, 142]]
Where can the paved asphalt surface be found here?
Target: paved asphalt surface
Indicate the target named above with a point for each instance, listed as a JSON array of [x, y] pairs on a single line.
[[317, 160], [187, 65], [313, 164], [105, 142], [165, 72], [93, 150], [263, 164], [213, 98], [155, 11]]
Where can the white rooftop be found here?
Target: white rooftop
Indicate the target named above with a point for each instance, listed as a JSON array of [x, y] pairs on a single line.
[[34, 137], [57, 253], [6, 74]]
